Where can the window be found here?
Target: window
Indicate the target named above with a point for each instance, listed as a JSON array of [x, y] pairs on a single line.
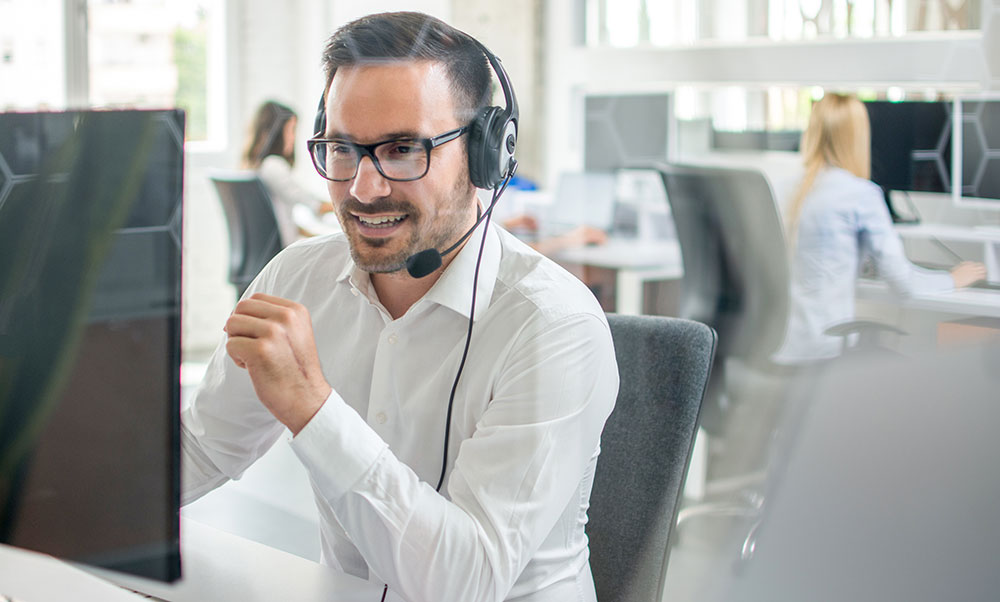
[[153, 53], [114, 53], [673, 22]]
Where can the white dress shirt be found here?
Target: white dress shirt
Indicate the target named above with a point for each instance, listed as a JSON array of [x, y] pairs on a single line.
[[844, 220], [539, 382]]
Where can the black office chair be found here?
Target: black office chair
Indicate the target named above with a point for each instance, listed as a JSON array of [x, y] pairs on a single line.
[[254, 237], [664, 366]]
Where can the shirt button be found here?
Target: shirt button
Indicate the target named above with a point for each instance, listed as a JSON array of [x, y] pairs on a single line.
[[381, 418], [392, 339], [354, 292]]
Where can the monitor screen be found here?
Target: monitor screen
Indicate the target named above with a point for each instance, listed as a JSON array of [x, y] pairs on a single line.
[[90, 258], [981, 149], [911, 145]]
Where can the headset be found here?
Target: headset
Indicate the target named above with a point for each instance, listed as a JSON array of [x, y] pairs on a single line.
[[492, 134]]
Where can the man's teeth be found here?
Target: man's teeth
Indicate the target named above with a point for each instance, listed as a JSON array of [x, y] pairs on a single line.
[[380, 221]]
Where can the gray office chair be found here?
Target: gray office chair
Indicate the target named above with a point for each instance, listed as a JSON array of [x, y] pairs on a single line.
[[254, 237], [664, 365], [862, 506], [736, 273], [736, 280]]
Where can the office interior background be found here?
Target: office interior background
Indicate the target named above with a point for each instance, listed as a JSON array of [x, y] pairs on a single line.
[[600, 84]]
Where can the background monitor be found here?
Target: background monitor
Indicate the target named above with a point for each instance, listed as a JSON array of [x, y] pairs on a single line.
[[756, 140], [90, 241], [625, 130], [981, 149], [580, 199], [911, 145]]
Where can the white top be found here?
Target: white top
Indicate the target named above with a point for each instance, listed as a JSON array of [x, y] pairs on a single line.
[[286, 193], [539, 382], [844, 221]]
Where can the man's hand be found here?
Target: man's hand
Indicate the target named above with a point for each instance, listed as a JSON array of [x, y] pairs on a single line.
[[272, 338]]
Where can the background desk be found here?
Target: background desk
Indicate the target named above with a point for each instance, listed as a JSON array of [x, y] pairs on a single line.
[[987, 236], [634, 262], [969, 302]]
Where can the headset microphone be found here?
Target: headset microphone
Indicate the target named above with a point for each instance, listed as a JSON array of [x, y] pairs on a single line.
[[425, 262]]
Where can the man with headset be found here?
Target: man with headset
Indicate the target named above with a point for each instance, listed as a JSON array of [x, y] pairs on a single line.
[[369, 346]]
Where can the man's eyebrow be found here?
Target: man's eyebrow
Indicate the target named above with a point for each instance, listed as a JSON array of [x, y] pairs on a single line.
[[401, 135]]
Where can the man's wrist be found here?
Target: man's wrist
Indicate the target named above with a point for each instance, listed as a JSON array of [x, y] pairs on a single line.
[[302, 414]]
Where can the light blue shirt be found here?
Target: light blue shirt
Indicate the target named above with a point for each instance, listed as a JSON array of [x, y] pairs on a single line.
[[844, 221]]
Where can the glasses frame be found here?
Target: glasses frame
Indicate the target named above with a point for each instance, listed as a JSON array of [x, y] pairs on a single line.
[[368, 150]]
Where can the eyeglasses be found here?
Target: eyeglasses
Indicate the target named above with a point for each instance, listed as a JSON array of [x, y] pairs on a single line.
[[400, 159]]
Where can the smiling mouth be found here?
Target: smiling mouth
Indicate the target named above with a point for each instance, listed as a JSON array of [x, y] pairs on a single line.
[[380, 222]]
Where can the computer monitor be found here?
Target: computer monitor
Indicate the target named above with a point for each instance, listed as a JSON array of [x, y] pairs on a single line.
[[90, 259], [756, 140], [910, 145], [980, 171], [580, 199]]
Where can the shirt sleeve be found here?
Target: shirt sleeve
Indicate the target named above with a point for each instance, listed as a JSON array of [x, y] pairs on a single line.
[[881, 241], [510, 482]]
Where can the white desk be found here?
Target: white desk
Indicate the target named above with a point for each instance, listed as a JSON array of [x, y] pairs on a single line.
[[988, 236], [216, 565], [635, 262], [969, 302], [31, 577]]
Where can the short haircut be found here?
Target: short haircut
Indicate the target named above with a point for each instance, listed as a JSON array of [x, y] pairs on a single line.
[[379, 38]]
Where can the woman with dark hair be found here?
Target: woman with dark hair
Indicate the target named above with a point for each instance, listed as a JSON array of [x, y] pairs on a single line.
[[270, 151]]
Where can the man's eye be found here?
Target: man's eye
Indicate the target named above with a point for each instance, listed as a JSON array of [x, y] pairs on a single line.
[[339, 149], [404, 149]]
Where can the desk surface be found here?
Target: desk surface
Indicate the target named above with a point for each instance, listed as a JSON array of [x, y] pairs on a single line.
[[625, 253], [964, 302], [32, 577], [950, 232], [220, 566], [216, 566]]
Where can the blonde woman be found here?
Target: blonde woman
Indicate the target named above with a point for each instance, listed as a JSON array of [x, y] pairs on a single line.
[[838, 219]]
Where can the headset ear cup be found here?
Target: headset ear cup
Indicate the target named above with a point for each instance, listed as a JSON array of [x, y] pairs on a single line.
[[319, 121], [483, 160]]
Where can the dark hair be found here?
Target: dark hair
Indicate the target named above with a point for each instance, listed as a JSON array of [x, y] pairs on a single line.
[[266, 135], [414, 36]]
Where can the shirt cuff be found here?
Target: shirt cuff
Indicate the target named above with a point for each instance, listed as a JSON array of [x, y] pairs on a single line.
[[337, 447]]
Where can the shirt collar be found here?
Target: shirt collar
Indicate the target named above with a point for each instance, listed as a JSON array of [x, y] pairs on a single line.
[[454, 288]]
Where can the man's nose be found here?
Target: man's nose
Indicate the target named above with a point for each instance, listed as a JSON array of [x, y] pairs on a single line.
[[368, 183]]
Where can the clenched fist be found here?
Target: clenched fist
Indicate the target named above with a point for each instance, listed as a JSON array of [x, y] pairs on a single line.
[[272, 338]]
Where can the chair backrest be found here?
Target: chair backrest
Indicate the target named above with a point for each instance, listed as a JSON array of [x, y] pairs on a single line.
[[664, 365], [885, 485], [736, 273], [254, 237]]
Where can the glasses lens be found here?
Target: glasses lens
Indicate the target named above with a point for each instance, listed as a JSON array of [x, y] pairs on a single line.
[[402, 159], [335, 160]]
